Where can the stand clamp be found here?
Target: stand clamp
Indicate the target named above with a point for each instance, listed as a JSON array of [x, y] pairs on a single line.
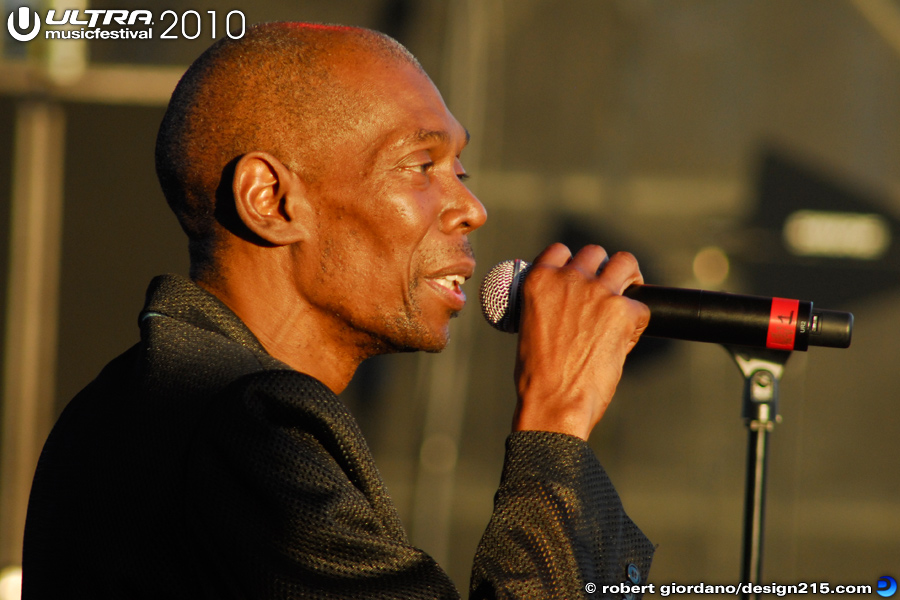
[[762, 370]]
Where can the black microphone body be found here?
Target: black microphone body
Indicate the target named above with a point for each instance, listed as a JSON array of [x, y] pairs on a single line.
[[694, 315]]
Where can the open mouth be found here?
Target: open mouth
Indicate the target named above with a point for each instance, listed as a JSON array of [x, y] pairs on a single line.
[[450, 288], [450, 282]]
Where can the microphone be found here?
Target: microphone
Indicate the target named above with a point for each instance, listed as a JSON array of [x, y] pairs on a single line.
[[693, 315]]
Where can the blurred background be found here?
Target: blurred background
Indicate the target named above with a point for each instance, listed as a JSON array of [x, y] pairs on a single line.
[[751, 146]]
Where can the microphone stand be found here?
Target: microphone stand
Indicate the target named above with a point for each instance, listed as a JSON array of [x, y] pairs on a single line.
[[762, 370]]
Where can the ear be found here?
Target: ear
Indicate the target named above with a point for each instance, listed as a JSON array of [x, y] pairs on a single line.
[[270, 199]]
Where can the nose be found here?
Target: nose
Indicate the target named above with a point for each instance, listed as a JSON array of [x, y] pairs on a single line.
[[465, 212]]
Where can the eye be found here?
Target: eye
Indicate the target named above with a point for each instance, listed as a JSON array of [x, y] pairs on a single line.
[[460, 170]]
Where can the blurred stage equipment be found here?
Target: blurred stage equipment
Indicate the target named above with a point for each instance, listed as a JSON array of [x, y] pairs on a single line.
[[41, 80], [816, 236]]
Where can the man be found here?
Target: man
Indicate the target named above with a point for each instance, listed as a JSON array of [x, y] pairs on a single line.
[[317, 174]]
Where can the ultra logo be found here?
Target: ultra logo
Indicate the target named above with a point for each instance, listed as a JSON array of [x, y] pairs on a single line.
[[72, 17], [22, 25]]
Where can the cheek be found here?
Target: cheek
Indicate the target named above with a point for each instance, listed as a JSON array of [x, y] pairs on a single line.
[[364, 267], [392, 235], [374, 232]]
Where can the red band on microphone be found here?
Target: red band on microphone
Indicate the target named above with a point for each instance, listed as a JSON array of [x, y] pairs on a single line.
[[782, 324]]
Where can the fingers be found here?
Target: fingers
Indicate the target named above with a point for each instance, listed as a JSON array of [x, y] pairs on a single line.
[[621, 271], [555, 255], [590, 260], [617, 273]]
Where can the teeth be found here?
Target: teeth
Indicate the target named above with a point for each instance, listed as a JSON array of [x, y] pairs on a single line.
[[450, 281]]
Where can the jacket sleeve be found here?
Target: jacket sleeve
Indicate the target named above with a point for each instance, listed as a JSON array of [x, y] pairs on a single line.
[[558, 525]]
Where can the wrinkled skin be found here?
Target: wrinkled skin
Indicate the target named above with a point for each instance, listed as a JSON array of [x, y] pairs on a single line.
[[570, 359]]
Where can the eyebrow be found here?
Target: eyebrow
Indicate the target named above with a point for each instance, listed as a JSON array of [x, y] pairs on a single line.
[[427, 135], [418, 137]]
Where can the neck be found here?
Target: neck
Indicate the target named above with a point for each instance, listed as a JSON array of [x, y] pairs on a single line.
[[262, 296]]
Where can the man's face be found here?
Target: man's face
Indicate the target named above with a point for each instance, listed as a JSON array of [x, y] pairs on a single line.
[[392, 217]]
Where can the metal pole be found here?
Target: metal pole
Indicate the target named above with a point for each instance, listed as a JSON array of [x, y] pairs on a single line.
[[29, 370], [758, 429], [762, 371]]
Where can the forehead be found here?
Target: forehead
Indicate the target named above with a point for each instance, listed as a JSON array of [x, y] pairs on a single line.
[[400, 107]]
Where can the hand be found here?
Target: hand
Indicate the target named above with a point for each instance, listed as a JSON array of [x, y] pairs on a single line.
[[575, 333]]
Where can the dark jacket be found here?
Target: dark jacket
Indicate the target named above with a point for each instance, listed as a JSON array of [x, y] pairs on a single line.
[[198, 466]]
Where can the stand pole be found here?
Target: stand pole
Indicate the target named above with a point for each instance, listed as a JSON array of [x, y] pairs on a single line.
[[762, 371]]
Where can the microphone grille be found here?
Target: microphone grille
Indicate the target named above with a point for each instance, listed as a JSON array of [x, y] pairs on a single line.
[[501, 298]]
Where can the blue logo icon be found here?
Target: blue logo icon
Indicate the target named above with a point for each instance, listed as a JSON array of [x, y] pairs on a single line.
[[24, 16], [887, 586]]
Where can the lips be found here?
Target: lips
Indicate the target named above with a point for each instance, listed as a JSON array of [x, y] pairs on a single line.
[[448, 283]]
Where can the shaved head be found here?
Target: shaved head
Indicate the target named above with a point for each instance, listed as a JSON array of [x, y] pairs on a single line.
[[281, 89]]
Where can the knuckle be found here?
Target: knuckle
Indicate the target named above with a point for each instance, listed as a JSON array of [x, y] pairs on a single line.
[[625, 257], [619, 305], [628, 310], [594, 248], [593, 253], [553, 253]]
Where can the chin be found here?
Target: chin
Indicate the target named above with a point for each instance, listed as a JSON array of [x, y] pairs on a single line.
[[431, 345], [435, 349], [413, 333], [414, 341]]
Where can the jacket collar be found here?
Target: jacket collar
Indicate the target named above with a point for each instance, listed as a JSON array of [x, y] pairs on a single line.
[[180, 298]]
